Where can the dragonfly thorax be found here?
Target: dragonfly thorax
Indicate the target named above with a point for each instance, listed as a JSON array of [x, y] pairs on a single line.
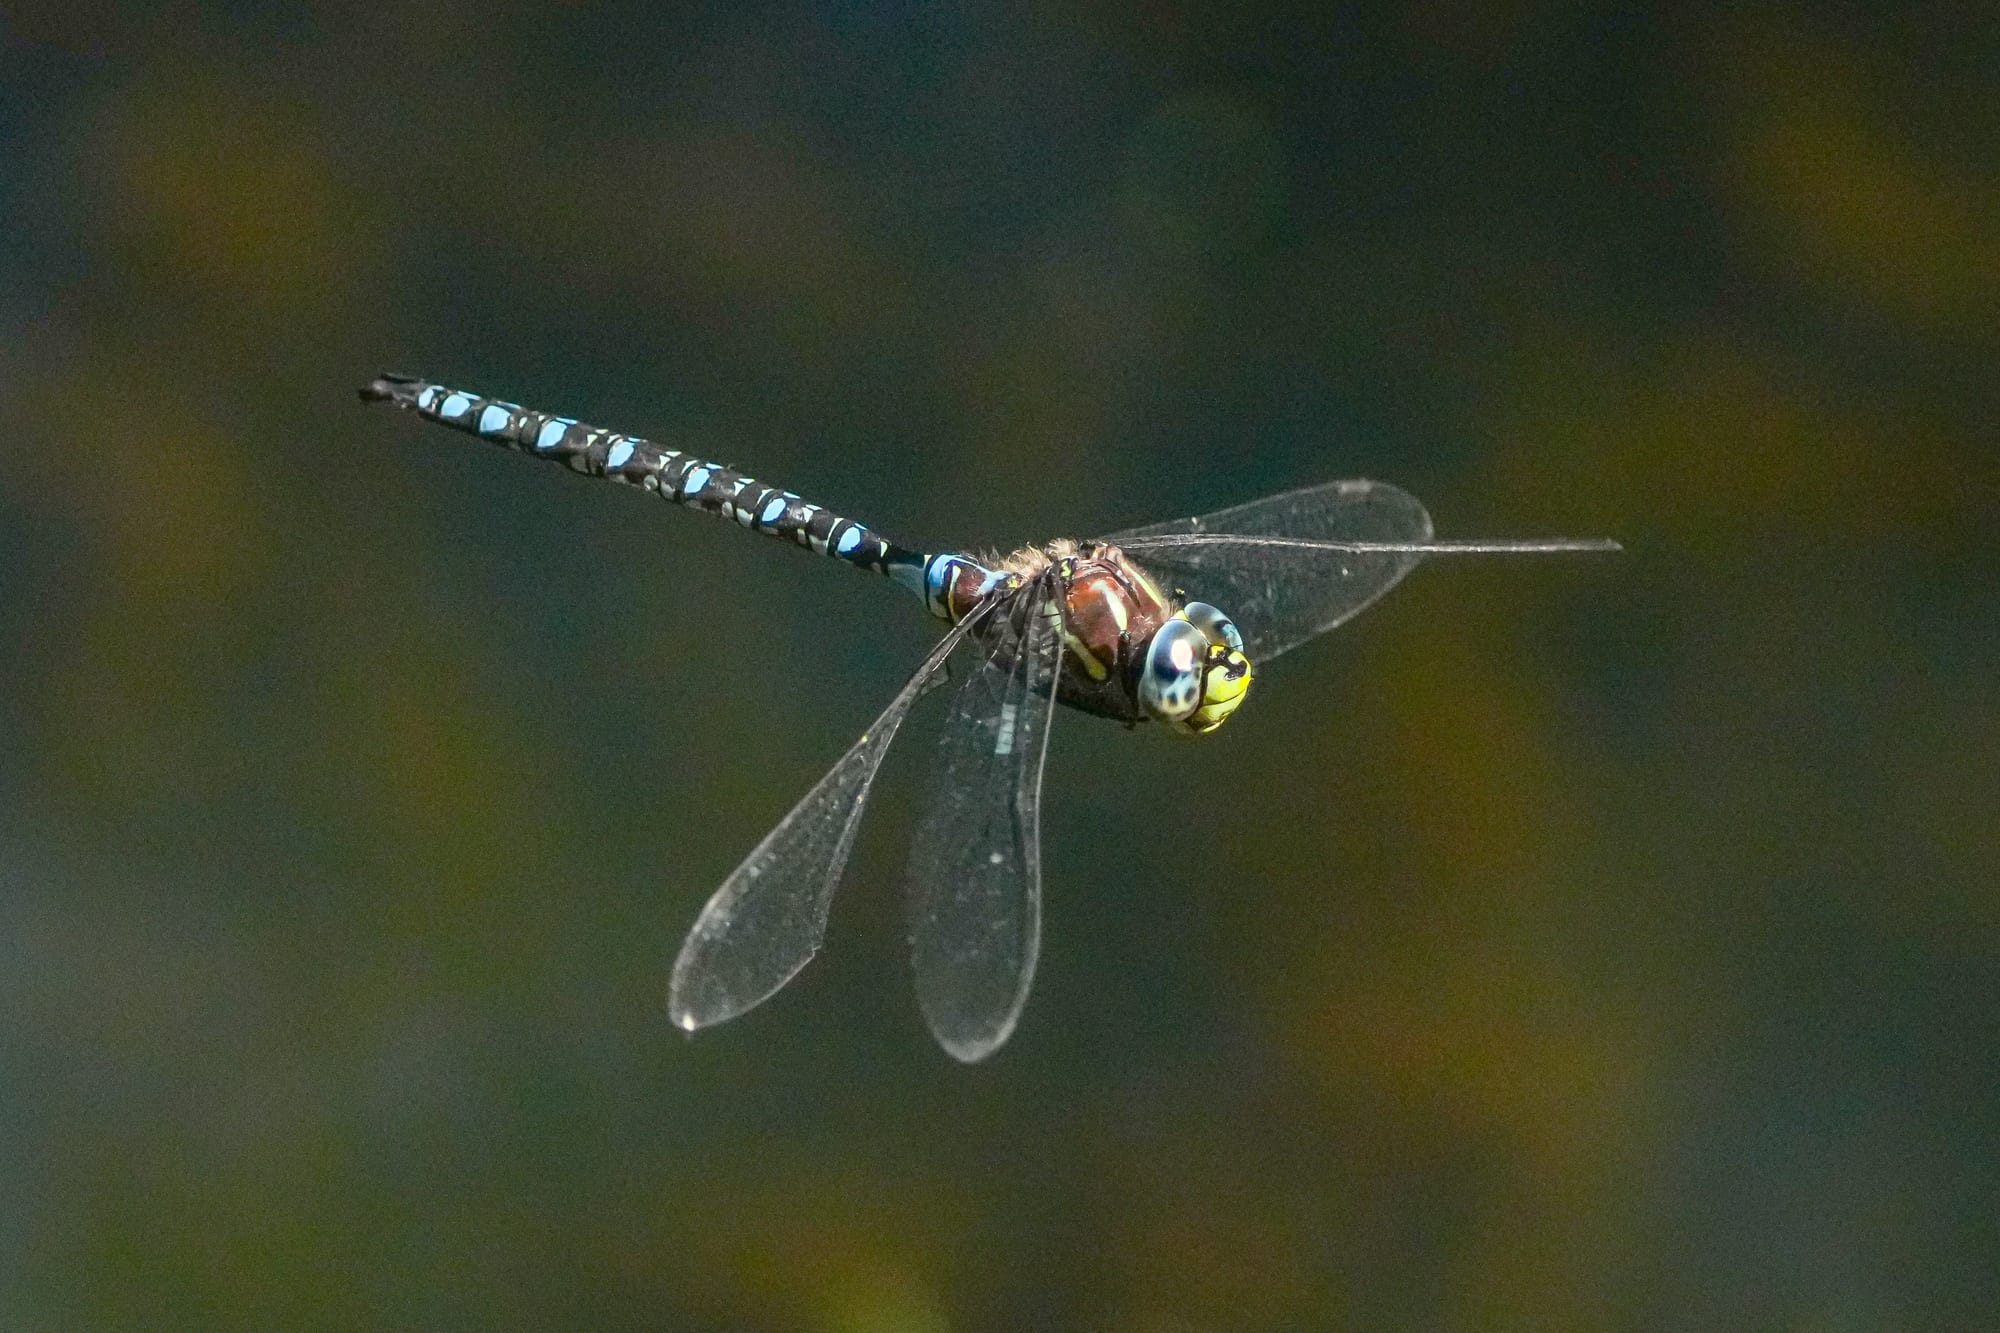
[[1131, 652]]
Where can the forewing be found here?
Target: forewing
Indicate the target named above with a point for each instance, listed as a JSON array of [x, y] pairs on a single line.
[[1281, 595], [767, 919], [975, 864]]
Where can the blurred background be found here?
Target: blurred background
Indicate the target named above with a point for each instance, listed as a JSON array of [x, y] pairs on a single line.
[[1573, 943]]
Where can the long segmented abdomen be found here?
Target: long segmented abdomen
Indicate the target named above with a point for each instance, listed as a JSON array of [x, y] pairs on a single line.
[[674, 475]]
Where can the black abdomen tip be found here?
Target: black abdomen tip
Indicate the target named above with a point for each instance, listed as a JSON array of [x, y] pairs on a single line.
[[390, 388]]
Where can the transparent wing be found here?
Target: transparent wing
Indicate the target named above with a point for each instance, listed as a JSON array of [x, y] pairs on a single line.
[[975, 866], [767, 919], [1290, 567], [1281, 596]]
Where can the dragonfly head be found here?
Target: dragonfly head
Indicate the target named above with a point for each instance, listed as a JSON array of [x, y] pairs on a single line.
[[1194, 672]]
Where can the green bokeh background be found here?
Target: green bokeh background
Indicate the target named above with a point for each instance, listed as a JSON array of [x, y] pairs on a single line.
[[1567, 943]]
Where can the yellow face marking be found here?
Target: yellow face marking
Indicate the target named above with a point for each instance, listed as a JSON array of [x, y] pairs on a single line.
[[1225, 681]]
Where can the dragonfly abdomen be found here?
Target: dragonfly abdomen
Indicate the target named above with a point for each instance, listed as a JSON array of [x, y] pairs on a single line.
[[670, 473]]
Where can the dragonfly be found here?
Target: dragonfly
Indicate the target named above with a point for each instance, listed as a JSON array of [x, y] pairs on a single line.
[[1130, 626]]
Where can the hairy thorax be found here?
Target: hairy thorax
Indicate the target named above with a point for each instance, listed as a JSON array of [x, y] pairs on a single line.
[[1111, 609]]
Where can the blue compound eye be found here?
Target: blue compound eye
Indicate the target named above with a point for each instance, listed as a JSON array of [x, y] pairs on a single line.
[[1215, 626], [1170, 682], [1195, 672]]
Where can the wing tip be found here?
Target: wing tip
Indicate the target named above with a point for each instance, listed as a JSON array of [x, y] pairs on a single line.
[[971, 1042], [975, 1050], [692, 1007]]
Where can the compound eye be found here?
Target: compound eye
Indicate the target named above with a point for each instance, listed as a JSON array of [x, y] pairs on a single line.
[[1215, 626], [1170, 682]]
